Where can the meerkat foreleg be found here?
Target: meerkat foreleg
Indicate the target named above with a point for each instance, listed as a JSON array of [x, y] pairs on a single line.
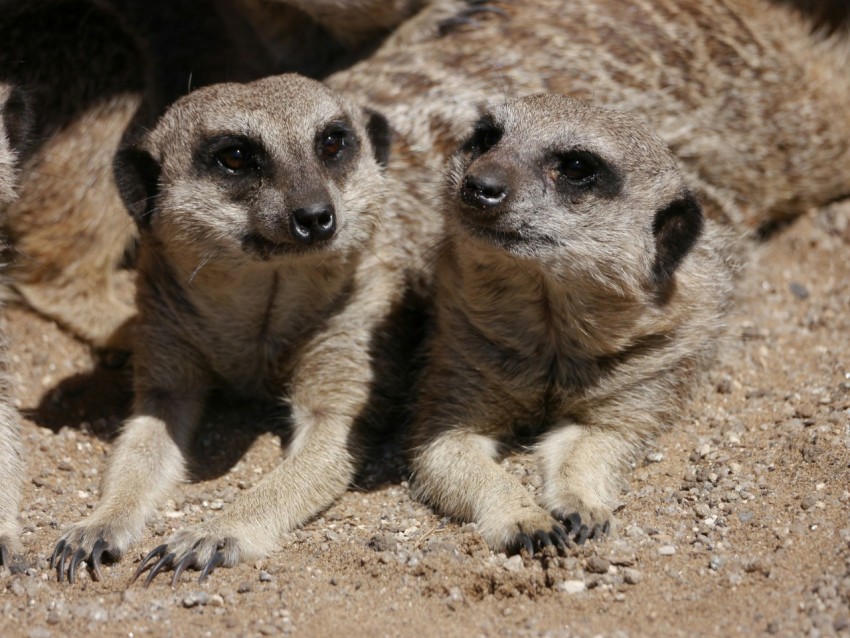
[[330, 392], [147, 463], [582, 471], [11, 472], [457, 472]]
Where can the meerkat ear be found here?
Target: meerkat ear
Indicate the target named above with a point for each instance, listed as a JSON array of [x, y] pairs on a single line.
[[137, 177], [676, 229], [380, 135]]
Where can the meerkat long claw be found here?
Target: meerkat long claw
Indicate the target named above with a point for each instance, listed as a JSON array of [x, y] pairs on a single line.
[[562, 537], [582, 535], [189, 560], [157, 551], [66, 550], [216, 561], [76, 559], [162, 563], [96, 553], [56, 551], [542, 539]]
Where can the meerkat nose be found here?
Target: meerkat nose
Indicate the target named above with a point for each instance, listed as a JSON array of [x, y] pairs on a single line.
[[484, 191], [313, 223]]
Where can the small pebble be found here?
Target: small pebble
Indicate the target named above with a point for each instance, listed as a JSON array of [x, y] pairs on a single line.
[[666, 550], [597, 565], [799, 290], [571, 586], [632, 576], [513, 564], [265, 577]]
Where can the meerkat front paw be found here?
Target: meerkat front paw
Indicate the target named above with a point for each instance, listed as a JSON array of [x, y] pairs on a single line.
[[89, 543], [202, 548], [533, 533], [584, 522]]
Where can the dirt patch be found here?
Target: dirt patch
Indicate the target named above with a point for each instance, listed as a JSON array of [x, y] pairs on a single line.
[[737, 523]]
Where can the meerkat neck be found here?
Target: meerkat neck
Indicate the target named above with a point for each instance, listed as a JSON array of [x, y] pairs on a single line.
[[578, 320]]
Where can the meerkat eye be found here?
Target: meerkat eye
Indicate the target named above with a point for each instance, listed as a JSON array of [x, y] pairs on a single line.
[[485, 136], [234, 158], [577, 167], [332, 143]]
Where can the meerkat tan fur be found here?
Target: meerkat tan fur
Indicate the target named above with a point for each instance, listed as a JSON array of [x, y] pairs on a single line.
[[260, 271], [577, 297], [755, 107], [84, 75], [12, 134]]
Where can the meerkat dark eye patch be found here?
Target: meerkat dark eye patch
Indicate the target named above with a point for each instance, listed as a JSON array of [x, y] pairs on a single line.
[[578, 170], [676, 229], [485, 135], [335, 142], [231, 155]]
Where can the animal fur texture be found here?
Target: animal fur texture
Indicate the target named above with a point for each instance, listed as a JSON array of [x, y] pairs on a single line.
[[261, 270], [577, 299], [13, 132]]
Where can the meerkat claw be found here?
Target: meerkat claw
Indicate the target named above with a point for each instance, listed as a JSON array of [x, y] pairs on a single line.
[[76, 559], [156, 552], [189, 560], [216, 561], [163, 563], [96, 553]]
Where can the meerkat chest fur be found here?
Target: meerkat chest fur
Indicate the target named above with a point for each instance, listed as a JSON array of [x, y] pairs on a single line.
[[256, 323], [543, 342]]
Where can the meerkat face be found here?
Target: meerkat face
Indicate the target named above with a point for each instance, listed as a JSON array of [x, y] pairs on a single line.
[[581, 191], [279, 167], [14, 129]]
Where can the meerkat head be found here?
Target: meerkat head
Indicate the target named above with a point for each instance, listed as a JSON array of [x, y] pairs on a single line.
[[279, 167], [14, 135], [585, 193]]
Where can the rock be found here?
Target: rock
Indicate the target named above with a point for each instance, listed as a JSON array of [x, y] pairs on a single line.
[[667, 550], [597, 565], [383, 542], [244, 588], [571, 586], [514, 563], [265, 577], [716, 562], [702, 510], [799, 290], [632, 576]]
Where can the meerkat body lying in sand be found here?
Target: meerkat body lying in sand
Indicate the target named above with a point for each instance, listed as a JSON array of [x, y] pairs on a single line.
[[13, 132], [577, 298], [261, 271]]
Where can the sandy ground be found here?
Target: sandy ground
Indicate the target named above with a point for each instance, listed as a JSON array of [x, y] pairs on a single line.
[[737, 523]]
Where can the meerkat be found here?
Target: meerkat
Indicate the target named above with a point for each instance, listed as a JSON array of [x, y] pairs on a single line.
[[577, 298], [262, 270], [13, 134], [100, 70], [755, 107]]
